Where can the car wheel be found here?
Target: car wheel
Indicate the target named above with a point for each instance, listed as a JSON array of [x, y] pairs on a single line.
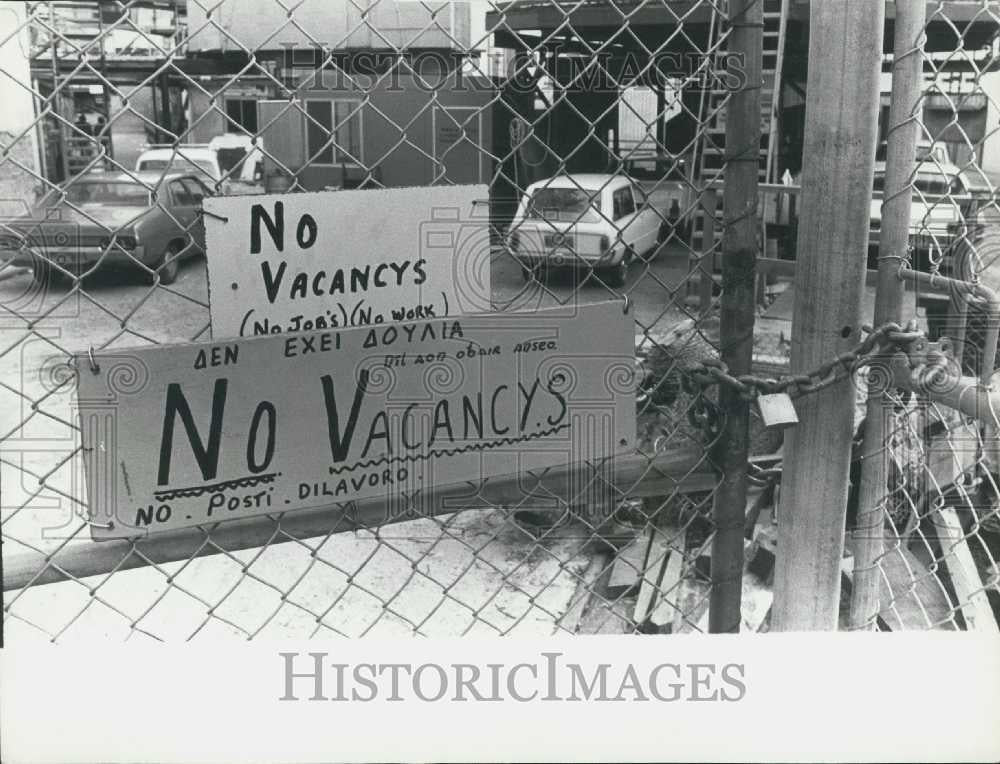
[[169, 265]]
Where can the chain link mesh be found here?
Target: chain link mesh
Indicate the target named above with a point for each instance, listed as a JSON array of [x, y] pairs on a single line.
[[941, 536], [449, 93], [372, 95]]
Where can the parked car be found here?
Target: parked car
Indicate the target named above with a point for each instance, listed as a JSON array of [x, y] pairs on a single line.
[[110, 219], [664, 179], [940, 201], [595, 221], [229, 163], [242, 160]]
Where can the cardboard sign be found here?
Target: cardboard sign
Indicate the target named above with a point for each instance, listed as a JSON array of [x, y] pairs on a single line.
[[185, 435], [337, 259]]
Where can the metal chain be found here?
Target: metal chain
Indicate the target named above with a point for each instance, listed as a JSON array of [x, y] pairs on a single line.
[[715, 372], [703, 414]]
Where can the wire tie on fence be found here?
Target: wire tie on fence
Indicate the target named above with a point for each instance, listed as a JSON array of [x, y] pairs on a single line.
[[627, 305], [109, 525], [95, 367], [223, 218], [903, 259]]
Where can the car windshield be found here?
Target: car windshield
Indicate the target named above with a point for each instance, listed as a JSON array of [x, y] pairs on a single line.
[[178, 163], [569, 205], [117, 193]]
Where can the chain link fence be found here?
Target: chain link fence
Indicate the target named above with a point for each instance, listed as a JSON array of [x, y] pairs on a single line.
[[508, 95], [368, 97], [934, 531]]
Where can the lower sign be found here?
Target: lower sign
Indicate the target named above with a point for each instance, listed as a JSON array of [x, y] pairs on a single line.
[[187, 435]]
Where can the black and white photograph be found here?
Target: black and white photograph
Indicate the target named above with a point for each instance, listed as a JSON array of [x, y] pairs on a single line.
[[477, 327]]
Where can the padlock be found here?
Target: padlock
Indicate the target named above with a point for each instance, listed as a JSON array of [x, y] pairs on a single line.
[[777, 410]]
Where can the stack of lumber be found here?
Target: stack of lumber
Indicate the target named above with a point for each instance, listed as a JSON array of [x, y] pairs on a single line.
[[665, 583]]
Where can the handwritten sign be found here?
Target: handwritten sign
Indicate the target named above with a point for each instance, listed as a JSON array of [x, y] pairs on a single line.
[[185, 435], [337, 259]]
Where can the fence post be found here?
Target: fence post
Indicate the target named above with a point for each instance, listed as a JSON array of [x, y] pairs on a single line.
[[845, 63], [904, 126], [739, 256]]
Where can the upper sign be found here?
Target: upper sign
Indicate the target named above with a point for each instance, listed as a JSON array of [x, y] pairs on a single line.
[[337, 259], [184, 435]]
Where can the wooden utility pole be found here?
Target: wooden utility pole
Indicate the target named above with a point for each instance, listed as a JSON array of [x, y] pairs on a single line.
[[904, 128], [739, 260], [842, 104]]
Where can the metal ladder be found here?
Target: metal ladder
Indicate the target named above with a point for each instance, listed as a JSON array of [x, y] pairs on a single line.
[[712, 146]]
